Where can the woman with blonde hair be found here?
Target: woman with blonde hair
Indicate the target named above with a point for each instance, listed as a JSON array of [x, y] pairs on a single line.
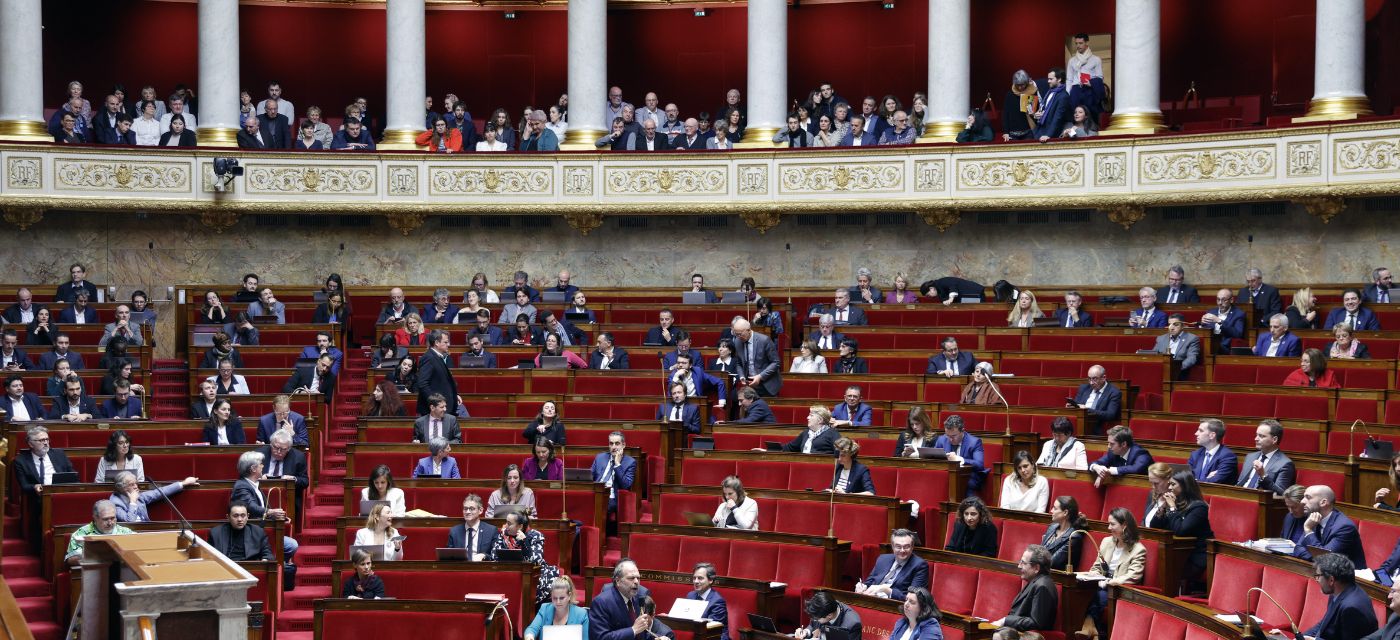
[[512, 493], [1302, 314], [1024, 311], [379, 529]]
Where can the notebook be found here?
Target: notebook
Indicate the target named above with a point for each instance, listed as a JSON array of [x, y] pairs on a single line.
[[367, 506], [552, 296], [734, 297], [554, 362], [694, 297], [375, 551]]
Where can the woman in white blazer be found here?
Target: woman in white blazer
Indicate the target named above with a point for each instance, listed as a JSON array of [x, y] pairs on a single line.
[[738, 511]]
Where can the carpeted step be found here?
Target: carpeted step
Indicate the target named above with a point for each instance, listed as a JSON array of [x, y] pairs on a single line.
[[36, 609], [314, 576], [48, 630], [13, 528], [313, 555], [15, 546], [296, 620], [304, 596], [19, 566], [30, 587]]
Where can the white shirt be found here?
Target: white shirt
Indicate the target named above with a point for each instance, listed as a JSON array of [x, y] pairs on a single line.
[[394, 496], [147, 132], [21, 412], [27, 315], [1015, 495], [490, 146], [47, 466], [366, 536], [223, 435], [1070, 456]]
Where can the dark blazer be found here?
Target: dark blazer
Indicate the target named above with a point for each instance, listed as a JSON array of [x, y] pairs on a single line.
[[1086, 319], [1191, 521], [12, 312], [1266, 304], [267, 424], [1365, 319], [1279, 472], [85, 405], [766, 361], [211, 359], [938, 362], [608, 618], [637, 142], [400, 352], [450, 429], [187, 139], [1036, 605], [1290, 345], [690, 415], [431, 315], [1391, 630], [67, 291], [855, 364], [1222, 470], [1231, 328], [28, 475], [253, 538], [536, 336], [492, 335], [1349, 615], [929, 629], [244, 492], [488, 358], [1292, 529], [1060, 547], [303, 376], [435, 376], [130, 410], [31, 404], [1109, 407], [22, 359], [485, 538], [824, 442], [300, 145], [369, 589], [855, 315], [1371, 294], [1186, 294], [555, 432], [1383, 572], [836, 338], [1188, 352], [293, 465], [619, 361], [199, 410], [322, 314], [857, 482], [1137, 460], [654, 337], [1156, 320], [234, 431], [716, 609], [758, 412], [973, 455], [981, 541], [861, 417], [1057, 115], [576, 335], [334, 352], [277, 132], [1338, 536], [680, 142], [508, 294], [913, 574], [249, 141], [69, 314]]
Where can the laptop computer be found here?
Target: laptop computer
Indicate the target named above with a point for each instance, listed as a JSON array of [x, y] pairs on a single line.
[[468, 361], [562, 632], [141, 317], [1180, 467], [1241, 351], [697, 519], [734, 297], [65, 477], [703, 444], [762, 623], [552, 296], [429, 476], [773, 446], [375, 551], [111, 475], [575, 316], [525, 363], [1381, 449], [503, 510], [554, 362], [445, 554], [835, 633], [264, 319], [932, 453], [688, 609], [510, 555], [694, 297], [203, 339], [578, 475], [367, 506], [970, 299]]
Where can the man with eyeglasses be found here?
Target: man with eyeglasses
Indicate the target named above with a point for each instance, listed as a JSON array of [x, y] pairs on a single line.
[[1037, 603], [613, 109], [900, 133], [1349, 613], [477, 537], [1102, 402], [285, 463], [36, 470]]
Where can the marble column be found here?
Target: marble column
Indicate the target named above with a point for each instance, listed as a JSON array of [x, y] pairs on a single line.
[[22, 77], [588, 72], [949, 71], [767, 69], [218, 74], [1137, 56], [1339, 70], [407, 71]]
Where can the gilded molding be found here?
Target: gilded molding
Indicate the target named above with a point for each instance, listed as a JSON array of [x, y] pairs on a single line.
[[1111, 169], [578, 180], [405, 221], [761, 220], [1060, 171], [1375, 155], [1182, 166], [283, 179], [451, 181], [1324, 207], [1126, 214], [24, 172], [168, 177], [929, 175], [829, 178], [1305, 159], [583, 222], [220, 220], [24, 217], [753, 179], [403, 180], [941, 218], [704, 180]]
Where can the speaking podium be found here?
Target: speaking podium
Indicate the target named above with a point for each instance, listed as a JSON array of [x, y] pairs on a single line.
[[168, 582]]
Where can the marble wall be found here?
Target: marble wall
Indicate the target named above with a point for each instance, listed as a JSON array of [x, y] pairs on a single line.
[[154, 251]]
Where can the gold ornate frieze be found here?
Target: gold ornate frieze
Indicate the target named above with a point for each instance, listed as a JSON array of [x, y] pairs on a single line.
[[135, 175], [1181, 166], [403, 180], [753, 179], [24, 172], [578, 180], [1366, 156], [680, 180], [863, 177], [929, 175], [1046, 172], [1111, 169], [505, 181], [1305, 159], [303, 179]]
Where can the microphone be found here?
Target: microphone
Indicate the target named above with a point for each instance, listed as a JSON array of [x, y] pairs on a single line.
[[1069, 550], [185, 525], [831, 502], [1249, 622], [997, 388], [665, 375]]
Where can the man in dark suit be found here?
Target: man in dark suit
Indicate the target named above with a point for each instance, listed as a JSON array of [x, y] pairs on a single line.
[[646, 139], [1226, 322], [614, 469], [826, 336], [819, 437], [1177, 291], [282, 462], [68, 291], [79, 311], [852, 412], [569, 334], [1268, 468], [520, 280], [1079, 319], [1391, 630], [208, 393], [1386, 573], [688, 371], [484, 328], [697, 285], [1263, 297], [476, 347], [664, 333], [1054, 112], [1123, 456], [104, 123], [1378, 292], [678, 410], [1184, 347], [1102, 402], [435, 373], [34, 470], [251, 135], [964, 449], [121, 406], [1349, 612], [690, 139], [616, 613], [606, 355], [898, 572], [951, 362], [1213, 461], [1297, 512], [1328, 528], [317, 379], [823, 613], [324, 347], [236, 539], [1352, 314], [1036, 605], [753, 408], [479, 538], [1278, 341], [716, 609], [842, 312], [276, 128], [60, 352], [438, 423], [282, 418], [24, 309], [866, 139], [74, 406], [19, 405], [13, 358], [1149, 316], [759, 365]]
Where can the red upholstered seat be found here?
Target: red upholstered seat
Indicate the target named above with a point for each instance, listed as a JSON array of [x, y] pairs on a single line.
[[748, 559], [1364, 409], [671, 508], [1090, 499], [957, 587], [1130, 620], [1167, 628], [765, 475], [1229, 582], [803, 476], [1194, 632], [405, 624], [444, 585], [1378, 540], [1233, 520], [657, 553], [423, 542], [1307, 408], [995, 591], [698, 549], [705, 471], [1203, 402], [1292, 591], [1014, 535], [733, 442]]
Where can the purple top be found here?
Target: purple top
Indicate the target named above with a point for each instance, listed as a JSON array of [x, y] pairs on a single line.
[[531, 470], [910, 297]]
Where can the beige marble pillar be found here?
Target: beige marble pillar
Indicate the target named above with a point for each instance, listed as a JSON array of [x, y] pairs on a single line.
[[949, 70], [22, 74], [218, 74], [767, 71], [407, 73], [588, 73], [1137, 75], [1339, 68]]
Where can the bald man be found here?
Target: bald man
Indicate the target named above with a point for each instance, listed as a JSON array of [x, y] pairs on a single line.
[[690, 138], [1328, 528]]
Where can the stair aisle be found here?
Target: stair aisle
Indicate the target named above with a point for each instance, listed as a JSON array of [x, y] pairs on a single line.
[[323, 507], [33, 592]]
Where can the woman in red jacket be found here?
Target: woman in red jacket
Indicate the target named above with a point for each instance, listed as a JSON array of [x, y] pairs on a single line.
[[1312, 372], [441, 139]]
